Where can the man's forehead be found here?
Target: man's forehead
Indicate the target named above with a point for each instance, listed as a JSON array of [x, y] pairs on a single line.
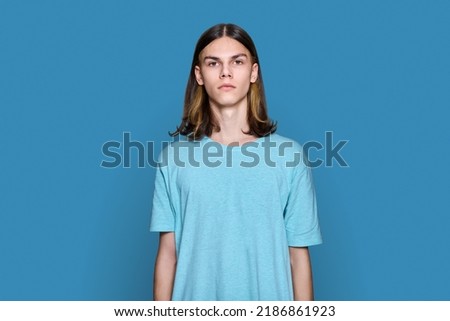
[[224, 47]]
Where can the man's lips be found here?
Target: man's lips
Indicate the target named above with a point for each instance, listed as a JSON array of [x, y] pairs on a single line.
[[227, 87]]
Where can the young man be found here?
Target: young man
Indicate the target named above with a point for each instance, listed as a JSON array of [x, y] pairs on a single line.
[[234, 203]]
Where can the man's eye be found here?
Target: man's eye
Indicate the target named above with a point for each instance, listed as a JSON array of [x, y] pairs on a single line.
[[238, 62], [212, 63]]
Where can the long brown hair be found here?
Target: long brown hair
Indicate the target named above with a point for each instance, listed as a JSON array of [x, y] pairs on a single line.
[[198, 120]]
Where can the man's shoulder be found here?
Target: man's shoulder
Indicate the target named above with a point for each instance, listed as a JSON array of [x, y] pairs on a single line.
[[181, 143], [176, 148], [284, 141]]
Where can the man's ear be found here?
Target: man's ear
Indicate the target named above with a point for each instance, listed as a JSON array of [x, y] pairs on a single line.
[[198, 76], [254, 74]]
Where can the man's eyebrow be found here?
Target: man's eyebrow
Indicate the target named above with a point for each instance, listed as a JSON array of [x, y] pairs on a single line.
[[210, 57], [239, 55], [233, 57]]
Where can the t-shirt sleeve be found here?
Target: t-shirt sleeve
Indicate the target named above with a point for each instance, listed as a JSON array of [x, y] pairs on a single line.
[[163, 219], [300, 215]]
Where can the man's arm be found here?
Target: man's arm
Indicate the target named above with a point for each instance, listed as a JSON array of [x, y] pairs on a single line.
[[166, 262], [301, 274]]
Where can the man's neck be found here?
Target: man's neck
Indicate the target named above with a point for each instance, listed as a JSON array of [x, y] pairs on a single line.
[[233, 122]]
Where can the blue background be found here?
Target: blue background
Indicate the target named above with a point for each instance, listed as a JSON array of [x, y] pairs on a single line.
[[76, 74]]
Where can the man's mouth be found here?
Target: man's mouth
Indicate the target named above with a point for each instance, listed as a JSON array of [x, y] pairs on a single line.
[[227, 87]]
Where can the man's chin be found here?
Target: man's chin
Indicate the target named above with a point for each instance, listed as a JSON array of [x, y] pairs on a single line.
[[227, 103]]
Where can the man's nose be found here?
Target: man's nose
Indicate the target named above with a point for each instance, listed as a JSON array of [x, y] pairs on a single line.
[[226, 72]]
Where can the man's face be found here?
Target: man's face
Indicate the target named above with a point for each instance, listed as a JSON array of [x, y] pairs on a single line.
[[226, 70]]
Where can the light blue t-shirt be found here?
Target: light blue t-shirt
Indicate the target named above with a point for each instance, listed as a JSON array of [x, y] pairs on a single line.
[[235, 211]]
